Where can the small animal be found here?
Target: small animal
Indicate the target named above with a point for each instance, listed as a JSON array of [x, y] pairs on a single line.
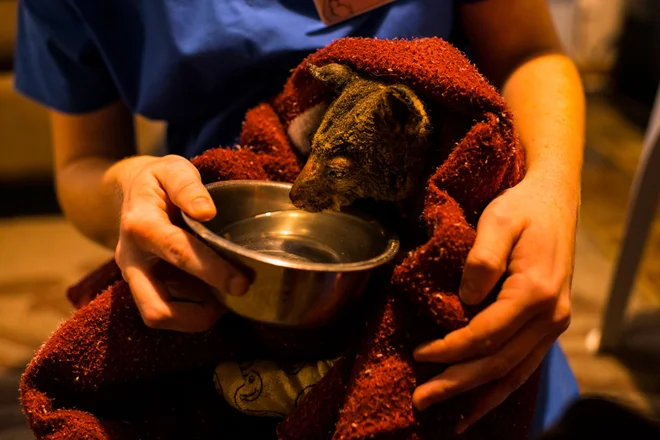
[[370, 144]]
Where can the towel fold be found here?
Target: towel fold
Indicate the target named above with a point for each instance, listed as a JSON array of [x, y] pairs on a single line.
[[105, 375]]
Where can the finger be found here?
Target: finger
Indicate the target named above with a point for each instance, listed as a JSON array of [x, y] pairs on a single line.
[[152, 231], [483, 335], [487, 260], [503, 389], [184, 251], [185, 189], [182, 286], [158, 311], [463, 377]]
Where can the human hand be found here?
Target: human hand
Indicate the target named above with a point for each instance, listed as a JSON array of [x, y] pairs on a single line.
[[155, 191], [528, 232]]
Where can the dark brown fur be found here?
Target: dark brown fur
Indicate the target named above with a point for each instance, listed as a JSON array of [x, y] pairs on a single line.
[[370, 145]]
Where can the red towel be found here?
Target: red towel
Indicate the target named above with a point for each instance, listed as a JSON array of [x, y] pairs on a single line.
[[104, 375]]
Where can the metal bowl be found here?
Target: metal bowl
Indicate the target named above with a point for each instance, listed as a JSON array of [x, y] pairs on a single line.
[[305, 266]]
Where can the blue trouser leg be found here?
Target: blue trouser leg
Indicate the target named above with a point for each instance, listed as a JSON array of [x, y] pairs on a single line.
[[558, 390]]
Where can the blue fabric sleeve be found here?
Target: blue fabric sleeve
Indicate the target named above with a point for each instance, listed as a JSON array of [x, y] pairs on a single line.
[[56, 61]]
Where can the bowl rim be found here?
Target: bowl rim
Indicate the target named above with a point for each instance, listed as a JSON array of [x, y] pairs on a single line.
[[391, 247]]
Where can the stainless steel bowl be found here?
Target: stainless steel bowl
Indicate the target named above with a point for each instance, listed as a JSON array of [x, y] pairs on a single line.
[[305, 266]]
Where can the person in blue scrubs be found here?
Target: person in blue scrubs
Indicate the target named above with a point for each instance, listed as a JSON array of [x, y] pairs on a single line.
[[198, 65]]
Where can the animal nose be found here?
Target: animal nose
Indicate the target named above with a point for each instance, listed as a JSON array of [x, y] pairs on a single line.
[[295, 195]]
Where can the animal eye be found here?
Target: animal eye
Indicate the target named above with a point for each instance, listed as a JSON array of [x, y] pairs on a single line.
[[335, 173]]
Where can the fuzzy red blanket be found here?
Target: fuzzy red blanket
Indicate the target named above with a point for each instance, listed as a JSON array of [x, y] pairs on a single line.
[[105, 375]]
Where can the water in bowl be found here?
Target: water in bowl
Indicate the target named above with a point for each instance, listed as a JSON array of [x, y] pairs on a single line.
[[286, 235]]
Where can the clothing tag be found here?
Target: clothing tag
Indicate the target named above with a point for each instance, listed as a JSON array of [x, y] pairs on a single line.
[[336, 11]]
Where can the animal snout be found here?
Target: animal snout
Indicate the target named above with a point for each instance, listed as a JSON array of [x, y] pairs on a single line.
[[308, 196], [296, 195], [303, 191]]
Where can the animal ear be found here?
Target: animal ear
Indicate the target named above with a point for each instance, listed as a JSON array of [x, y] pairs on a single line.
[[302, 128], [404, 108], [334, 75]]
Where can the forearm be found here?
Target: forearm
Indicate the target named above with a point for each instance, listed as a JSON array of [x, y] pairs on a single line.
[[90, 155], [90, 195], [547, 100]]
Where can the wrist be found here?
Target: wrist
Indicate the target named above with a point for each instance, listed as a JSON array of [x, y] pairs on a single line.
[[90, 192], [557, 181]]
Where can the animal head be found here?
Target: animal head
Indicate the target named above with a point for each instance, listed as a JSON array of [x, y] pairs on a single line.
[[369, 144]]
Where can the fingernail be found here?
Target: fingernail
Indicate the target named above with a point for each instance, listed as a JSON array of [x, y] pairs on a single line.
[[421, 350], [202, 205], [419, 406], [468, 293], [238, 285]]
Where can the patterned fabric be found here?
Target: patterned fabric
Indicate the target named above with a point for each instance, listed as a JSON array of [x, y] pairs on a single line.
[[266, 388]]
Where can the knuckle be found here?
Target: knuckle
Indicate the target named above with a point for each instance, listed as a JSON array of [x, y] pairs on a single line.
[[562, 318], [500, 215], [187, 185], [545, 292], [131, 224], [175, 254], [156, 319], [172, 159], [175, 163], [498, 368], [119, 259], [170, 164], [485, 259], [119, 255], [478, 342], [174, 250]]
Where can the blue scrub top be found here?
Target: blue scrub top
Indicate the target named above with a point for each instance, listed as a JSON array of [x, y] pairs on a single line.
[[199, 65]]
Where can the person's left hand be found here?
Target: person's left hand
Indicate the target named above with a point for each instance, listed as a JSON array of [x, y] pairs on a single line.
[[528, 232]]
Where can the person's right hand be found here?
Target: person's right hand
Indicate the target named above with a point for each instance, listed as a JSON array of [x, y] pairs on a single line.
[[155, 191]]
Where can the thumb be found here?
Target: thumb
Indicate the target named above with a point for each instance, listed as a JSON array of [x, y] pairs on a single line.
[[487, 260], [183, 185]]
